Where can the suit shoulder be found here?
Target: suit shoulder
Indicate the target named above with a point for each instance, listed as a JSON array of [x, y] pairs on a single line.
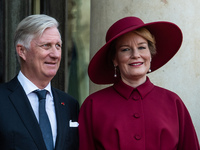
[[4, 87], [11, 85]]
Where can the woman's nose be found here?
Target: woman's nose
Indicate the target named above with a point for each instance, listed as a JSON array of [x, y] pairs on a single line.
[[135, 53]]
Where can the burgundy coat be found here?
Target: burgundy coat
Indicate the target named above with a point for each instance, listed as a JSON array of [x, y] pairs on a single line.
[[145, 118]]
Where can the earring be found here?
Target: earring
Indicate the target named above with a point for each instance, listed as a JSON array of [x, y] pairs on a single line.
[[115, 74], [149, 70], [150, 66]]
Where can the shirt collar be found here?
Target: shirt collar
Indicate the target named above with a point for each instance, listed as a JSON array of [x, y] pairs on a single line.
[[126, 90], [28, 86]]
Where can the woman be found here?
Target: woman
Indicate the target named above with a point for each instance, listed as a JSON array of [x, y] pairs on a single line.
[[133, 113]]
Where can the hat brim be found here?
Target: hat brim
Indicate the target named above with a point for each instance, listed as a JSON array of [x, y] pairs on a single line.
[[168, 38]]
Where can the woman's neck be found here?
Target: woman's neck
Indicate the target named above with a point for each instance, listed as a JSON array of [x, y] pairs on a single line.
[[134, 82]]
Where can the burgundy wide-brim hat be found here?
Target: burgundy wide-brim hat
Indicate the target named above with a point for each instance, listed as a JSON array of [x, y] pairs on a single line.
[[168, 38]]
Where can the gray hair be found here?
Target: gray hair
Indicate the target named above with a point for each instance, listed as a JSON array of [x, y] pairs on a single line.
[[31, 27]]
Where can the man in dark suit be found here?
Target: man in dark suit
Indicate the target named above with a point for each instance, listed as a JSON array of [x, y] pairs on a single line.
[[38, 45]]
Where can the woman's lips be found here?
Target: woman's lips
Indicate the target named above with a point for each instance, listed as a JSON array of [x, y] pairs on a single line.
[[136, 64]]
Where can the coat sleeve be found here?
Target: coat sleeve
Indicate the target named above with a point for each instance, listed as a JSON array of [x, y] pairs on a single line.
[[187, 135], [86, 139]]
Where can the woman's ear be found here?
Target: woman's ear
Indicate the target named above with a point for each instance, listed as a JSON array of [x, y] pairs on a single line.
[[115, 62], [21, 51]]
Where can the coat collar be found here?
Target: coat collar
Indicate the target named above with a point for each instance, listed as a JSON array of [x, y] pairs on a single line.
[[24, 109], [126, 90], [62, 116]]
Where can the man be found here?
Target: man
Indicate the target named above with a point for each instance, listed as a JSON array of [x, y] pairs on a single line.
[[38, 46]]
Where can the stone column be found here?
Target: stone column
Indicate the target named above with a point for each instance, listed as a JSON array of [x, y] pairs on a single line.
[[182, 73]]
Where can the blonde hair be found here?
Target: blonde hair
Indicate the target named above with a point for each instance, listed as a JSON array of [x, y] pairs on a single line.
[[143, 32]]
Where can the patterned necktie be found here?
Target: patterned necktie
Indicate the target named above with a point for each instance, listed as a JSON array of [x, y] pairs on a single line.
[[44, 120]]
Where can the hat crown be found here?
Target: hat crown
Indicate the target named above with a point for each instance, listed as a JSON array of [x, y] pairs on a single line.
[[122, 25]]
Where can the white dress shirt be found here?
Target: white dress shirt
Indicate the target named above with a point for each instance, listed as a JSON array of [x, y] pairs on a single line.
[[29, 87]]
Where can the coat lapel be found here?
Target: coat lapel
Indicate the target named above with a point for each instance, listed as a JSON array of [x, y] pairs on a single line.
[[24, 109], [62, 116]]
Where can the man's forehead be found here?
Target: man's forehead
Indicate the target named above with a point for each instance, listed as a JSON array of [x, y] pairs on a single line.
[[47, 40]]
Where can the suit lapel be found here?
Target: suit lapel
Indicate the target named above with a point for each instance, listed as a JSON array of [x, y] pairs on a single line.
[[24, 109], [62, 116]]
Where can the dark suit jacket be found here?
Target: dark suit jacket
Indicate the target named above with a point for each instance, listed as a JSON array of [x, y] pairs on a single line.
[[19, 128]]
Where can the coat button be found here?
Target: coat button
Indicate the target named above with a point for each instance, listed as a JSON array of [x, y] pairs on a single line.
[[136, 115], [135, 95], [137, 137], [136, 98]]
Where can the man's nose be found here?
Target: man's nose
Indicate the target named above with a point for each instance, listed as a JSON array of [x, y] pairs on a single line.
[[55, 51]]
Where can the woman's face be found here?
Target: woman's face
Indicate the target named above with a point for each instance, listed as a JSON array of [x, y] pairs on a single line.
[[132, 57]]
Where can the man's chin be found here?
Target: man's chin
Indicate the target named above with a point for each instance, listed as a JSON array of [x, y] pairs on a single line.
[[51, 74]]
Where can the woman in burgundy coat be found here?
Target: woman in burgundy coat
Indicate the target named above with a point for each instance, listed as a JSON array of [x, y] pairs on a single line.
[[133, 113]]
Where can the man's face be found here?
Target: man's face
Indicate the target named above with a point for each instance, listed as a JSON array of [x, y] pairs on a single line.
[[42, 60]]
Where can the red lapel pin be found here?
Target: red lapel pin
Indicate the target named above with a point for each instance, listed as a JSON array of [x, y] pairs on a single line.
[[62, 103]]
